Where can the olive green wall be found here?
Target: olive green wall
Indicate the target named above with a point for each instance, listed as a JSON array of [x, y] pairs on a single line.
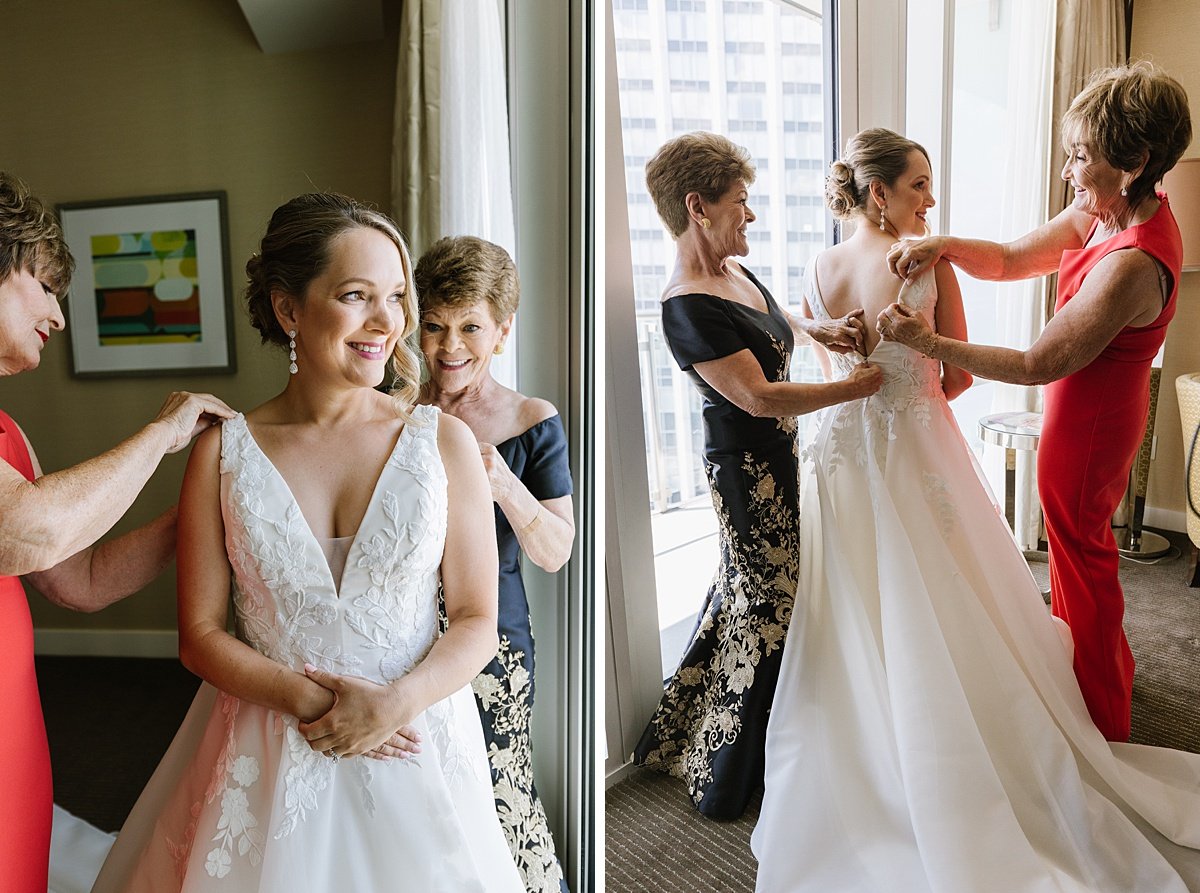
[[108, 100], [1164, 31]]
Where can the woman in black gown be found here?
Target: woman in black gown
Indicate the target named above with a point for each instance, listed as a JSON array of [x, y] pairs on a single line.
[[468, 293], [735, 344]]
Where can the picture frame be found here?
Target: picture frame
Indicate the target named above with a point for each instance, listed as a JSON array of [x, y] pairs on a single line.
[[151, 291]]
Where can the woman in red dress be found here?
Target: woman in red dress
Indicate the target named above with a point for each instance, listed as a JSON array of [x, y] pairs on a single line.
[[47, 529], [1118, 254]]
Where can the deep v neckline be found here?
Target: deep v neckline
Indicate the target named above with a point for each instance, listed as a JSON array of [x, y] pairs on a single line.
[[335, 585]]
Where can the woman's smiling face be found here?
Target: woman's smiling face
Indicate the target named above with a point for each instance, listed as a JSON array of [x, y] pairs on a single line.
[[458, 343], [353, 312], [909, 198]]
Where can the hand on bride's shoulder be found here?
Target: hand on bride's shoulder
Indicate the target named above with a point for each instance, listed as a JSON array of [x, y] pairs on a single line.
[[911, 257], [184, 415]]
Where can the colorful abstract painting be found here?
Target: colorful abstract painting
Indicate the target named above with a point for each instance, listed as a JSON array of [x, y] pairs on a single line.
[[147, 288]]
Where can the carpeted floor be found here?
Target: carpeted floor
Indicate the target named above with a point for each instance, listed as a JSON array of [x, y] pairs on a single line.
[[655, 841], [110, 720]]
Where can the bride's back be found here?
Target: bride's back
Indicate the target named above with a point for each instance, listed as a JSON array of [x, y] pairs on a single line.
[[854, 274]]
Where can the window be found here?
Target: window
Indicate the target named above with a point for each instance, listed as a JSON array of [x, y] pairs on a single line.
[[780, 120]]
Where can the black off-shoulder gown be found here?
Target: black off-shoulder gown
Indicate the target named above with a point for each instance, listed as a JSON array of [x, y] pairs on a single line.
[[504, 690], [710, 727]]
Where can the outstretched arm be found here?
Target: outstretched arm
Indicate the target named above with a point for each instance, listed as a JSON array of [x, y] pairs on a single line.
[[1036, 253], [740, 380], [98, 576], [48, 520], [1122, 289]]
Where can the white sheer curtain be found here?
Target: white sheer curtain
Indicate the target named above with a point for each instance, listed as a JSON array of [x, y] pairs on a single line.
[[451, 167], [476, 180], [1028, 169], [1056, 45]]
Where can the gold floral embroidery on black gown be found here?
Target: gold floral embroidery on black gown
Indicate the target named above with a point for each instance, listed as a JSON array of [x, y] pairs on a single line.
[[504, 690], [710, 726]]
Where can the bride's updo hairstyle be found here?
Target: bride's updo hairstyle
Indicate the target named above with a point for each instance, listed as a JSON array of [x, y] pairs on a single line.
[[870, 155], [295, 251]]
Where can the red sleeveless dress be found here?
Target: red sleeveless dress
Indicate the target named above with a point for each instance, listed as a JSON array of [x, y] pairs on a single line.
[[1092, 426], [26, 796]]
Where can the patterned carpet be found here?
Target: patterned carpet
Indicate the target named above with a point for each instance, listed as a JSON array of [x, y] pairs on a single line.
[[656, 841]]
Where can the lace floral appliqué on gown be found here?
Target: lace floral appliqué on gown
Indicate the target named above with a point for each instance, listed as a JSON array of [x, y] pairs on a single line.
[[240, 802], [928, 734]]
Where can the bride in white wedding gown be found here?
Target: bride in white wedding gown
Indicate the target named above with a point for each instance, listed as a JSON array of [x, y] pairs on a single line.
[[927, 734], [338, 513]]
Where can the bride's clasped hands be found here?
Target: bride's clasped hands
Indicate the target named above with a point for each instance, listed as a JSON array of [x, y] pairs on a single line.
[[357, 717]]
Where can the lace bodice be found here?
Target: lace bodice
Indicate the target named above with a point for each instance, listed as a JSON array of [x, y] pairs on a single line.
[[909, 378], [286, 599]]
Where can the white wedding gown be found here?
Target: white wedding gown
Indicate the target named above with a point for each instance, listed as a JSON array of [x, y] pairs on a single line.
[[927, 734], [240, 802]]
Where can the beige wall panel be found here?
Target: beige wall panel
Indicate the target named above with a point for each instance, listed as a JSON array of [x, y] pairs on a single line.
[[110, 100], [1164, 32]]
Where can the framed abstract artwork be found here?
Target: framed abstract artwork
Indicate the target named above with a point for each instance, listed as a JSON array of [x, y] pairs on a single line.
[[151, 292]]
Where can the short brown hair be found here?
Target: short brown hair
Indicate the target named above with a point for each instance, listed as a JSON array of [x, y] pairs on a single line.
[[458, 271], [1129, 110], [870, 155], [702, 162], [295, 251], [31, 238]]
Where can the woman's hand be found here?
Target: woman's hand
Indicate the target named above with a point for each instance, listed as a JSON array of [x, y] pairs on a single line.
[[405, 743], [365, 714], [315, 701], [911, 257], [905, 326], [184, 415], [866, 379], [846, 334], [499, 475]]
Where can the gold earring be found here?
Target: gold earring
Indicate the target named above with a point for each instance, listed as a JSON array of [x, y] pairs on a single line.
[[498, 349], [705, 222]]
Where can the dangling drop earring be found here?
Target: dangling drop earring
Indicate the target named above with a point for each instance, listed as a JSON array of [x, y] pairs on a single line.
[[1124, 191], [292, 367], [882, 218]]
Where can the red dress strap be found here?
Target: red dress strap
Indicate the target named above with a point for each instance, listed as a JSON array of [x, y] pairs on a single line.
[[12, 446]]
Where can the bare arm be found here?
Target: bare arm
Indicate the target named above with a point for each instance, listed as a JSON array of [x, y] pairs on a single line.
[[1122, 289], [204, 582], [367, 714], [845, 334], [98, 576], [548, 534], [46, 521], [951, 321], [1036, 253], [740, 380]]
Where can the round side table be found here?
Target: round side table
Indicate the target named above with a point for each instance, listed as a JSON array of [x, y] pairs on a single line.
[[1013, 431]]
